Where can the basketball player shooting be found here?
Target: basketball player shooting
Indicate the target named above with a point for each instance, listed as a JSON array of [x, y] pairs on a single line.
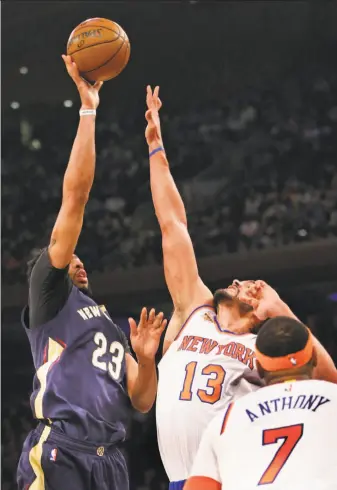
[[85, 374], [209, 346], [274, 430]]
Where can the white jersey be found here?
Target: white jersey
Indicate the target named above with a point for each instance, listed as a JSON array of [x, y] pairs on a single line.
[[283, 436], [203, 370]]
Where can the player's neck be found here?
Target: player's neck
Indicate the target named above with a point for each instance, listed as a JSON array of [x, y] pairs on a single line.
[[230, 318], [286, 379]]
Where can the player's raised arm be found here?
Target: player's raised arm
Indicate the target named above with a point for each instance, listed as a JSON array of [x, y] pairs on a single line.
[[79, 175], [181, 271]]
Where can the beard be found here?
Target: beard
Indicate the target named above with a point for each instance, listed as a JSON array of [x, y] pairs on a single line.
[[221, 296], [86, 290]]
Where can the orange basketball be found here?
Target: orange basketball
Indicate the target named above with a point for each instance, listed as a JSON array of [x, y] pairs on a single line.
[[100, 48]]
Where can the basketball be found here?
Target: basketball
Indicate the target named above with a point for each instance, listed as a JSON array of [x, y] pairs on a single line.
[[100, 48]]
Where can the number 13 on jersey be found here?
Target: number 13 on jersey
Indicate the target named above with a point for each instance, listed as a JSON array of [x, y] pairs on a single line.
[[216, 376]]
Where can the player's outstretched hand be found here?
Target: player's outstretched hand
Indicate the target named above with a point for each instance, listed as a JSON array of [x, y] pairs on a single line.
[[153, 130], [89, 93], [145, 337]]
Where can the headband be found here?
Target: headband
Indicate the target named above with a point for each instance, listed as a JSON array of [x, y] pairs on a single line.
[[290, 361]]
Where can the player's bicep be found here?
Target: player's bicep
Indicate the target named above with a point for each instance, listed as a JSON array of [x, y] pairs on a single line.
[[181, 271], [66, 231]]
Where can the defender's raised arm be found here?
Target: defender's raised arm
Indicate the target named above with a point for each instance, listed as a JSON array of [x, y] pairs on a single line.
[[181, 271]]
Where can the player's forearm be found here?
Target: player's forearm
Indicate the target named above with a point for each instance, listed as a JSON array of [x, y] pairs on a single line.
[[168, 204], [145, 388], [79, 176], [325, 369]]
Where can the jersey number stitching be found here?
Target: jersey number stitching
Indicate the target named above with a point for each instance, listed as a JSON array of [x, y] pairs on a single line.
[[291, 435], [214, 383], [117, 355]]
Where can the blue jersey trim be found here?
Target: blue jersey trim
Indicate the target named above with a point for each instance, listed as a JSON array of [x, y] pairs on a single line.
[[229, 331], [190, 316]]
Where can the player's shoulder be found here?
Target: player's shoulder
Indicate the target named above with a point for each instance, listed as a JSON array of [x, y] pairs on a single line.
[[204, 313], [317, 384], [309, 386]]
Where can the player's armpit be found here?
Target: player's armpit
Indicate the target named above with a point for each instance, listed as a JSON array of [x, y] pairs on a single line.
[[141, 383], [202, 483], [172, 330]]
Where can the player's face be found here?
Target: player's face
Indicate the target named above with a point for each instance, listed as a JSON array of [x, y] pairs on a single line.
[[242, 289], [238, 290], [77, 273]]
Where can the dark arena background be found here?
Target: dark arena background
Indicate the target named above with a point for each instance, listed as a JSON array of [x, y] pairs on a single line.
[[249, 120]]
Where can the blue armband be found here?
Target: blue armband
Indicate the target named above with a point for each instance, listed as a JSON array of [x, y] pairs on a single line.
[[153, 152]]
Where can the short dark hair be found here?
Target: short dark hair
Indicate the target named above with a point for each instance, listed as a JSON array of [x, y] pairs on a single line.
[[31, 263], [281, 336]]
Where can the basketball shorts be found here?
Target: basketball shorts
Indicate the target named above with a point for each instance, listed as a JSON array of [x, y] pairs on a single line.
[[177, 485], [51, 461]]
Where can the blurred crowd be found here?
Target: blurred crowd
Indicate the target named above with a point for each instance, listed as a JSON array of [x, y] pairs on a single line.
[[257, 170]]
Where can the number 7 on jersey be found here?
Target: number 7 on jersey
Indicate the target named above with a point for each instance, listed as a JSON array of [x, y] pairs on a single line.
[[291, 435]]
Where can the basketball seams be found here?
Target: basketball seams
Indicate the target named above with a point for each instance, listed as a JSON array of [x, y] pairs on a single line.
[[127, 56], [107, 61], [78, 28], [121, 58], [97, 44]]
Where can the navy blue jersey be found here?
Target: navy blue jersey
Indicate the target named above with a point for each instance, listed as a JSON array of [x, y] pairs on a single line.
[[80, 381]]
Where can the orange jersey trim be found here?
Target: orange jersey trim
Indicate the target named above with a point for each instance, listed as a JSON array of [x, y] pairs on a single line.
[[290, 361], [226, 417], [202, 483], [190, 317]]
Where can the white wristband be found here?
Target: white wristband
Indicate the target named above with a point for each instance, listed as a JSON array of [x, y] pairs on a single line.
[[88, 112]]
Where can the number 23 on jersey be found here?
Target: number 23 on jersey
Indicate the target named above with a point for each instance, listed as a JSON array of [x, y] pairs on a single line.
[[116, 355]]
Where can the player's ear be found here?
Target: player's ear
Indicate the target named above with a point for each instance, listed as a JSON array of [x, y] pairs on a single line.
[[260, 369], [314, 357]]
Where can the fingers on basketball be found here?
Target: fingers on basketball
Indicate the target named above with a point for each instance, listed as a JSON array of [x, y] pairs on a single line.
[[98, 85], [73, 70]]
